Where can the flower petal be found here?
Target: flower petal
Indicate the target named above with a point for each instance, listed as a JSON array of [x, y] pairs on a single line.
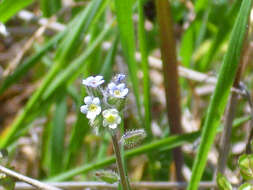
[[121, 86], [88, 100], [111, 86], [84, 109], [113, 126], [96, 101], [91, 115], [98, 77]]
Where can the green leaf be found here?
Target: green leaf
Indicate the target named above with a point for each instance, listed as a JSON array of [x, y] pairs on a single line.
[[9, 8], [223, 183], [221, 93]]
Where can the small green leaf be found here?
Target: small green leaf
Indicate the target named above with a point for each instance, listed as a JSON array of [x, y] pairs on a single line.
[[223, 183], [246, 166], [107, 176]]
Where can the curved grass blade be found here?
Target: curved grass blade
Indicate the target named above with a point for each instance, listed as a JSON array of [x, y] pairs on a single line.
[[221, 93]]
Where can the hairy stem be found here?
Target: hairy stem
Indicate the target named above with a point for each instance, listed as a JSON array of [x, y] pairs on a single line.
[[122, 172]]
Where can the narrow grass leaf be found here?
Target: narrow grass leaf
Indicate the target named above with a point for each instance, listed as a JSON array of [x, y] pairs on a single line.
[[221, 93], [9, 8], [127, 38], [58, 135], [145, 69]]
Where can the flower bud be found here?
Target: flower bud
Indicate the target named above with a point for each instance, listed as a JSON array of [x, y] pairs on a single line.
[[223, 183], [246, 186], [107, 176], [246, 166], [131, 138]]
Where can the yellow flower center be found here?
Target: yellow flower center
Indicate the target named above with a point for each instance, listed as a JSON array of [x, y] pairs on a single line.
[[117, 92], [110, 119], [92, 107]]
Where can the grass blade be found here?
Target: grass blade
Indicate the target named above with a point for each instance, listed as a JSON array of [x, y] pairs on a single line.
[[145, 69], [57, 135], [221, 93], [9, 8], [127, 38]]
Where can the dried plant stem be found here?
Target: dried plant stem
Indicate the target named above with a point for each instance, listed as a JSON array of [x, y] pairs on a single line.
[[225, 138], [170, 71], [101, 185], [26, 179], [225, 142], [122, 172]]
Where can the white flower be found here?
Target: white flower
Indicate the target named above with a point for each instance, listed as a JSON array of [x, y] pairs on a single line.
[[111, 118], [92, 107], [93, 81], [118, 91]]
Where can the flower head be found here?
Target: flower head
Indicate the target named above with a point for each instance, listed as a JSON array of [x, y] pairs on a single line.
[[93, 81], [92, 107], [111, 118], [118, 91], [119, 78]]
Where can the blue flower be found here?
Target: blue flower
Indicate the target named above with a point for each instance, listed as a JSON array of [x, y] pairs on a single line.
[[119, 78], [92, 107], [117, 91], [93, 81]]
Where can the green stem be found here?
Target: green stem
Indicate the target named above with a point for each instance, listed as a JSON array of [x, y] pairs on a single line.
[[122, 172]]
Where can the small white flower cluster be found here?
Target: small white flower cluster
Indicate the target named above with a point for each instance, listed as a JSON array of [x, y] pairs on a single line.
[[103, 105]]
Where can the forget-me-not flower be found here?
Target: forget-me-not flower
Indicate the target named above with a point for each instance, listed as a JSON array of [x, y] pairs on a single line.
[[111, 118], [93, 81], [117, 91], [91, 108], [119, 78]]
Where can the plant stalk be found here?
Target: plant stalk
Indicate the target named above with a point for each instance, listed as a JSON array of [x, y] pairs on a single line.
[[170, 71], [122, 172]]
